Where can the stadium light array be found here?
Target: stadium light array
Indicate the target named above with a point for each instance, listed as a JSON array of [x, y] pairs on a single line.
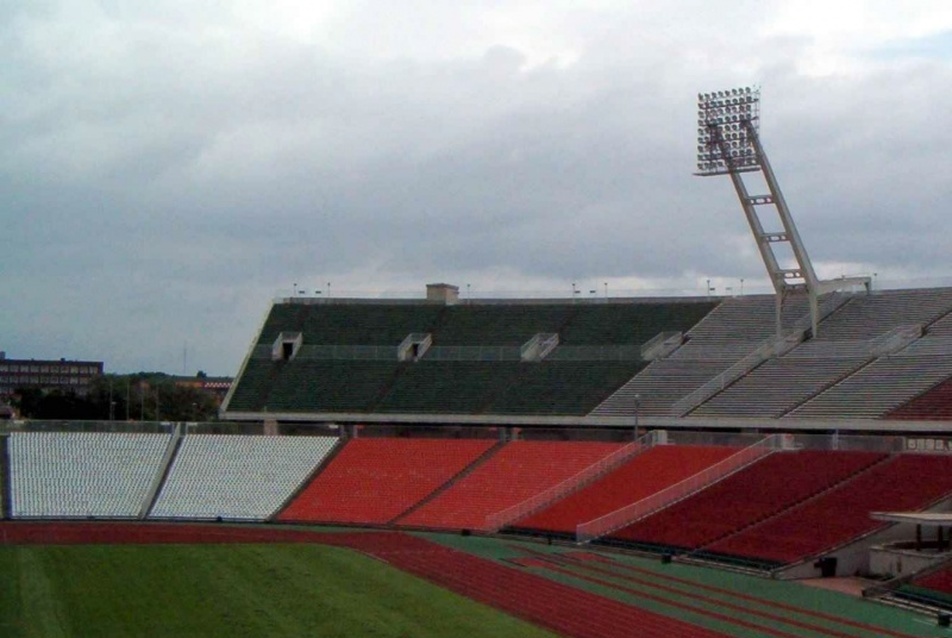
[[727, 122]]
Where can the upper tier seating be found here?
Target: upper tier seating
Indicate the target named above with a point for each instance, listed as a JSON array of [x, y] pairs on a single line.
[[760, 490], [519, 470], [498, 324], [734, 329], [628, 323], [878, 388], [659, 386], [906, 482], [749, 320], [81, 475], [330, 386], [868, 316], [349, 323], [777, 386], [648, 473], [347, 361], [561, 387], [933, 405], [448, 386], [236, 477], [372, 481]]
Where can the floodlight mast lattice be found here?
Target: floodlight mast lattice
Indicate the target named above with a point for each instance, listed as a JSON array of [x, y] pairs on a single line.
[[729, 144]]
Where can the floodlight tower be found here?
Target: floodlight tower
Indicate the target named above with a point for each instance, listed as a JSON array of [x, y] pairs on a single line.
[[728, 143]]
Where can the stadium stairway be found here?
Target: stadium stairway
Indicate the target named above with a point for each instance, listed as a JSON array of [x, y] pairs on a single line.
[[466, 471], [170, 451], [327, 460]]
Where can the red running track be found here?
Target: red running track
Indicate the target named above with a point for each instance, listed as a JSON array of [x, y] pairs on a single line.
[[560, 608]]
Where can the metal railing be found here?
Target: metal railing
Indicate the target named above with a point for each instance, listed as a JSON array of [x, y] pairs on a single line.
[[536, 348], [541, 500], [725, 378], [636, 511]]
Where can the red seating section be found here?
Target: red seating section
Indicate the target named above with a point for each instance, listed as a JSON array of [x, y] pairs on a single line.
[[648, 473], [934, 405], [939, 581], [904, 483], [760, 490], [374, 480], [517, 471]]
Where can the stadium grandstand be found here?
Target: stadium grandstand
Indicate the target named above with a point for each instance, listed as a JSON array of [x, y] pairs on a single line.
[[799, 435], [682, 427]]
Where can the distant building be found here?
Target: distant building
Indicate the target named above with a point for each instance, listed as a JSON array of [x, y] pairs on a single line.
[[216, 387], [41, 374]]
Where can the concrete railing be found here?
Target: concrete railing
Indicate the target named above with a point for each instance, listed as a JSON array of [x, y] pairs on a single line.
[[894, 340], [593, 472], [647, 506]]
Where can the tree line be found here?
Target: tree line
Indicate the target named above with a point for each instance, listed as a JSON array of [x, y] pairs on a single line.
[[142, 396]]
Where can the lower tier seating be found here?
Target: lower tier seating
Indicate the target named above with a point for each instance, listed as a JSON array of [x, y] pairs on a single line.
[[644, 475], [770, 485], [939, 581], [235, 477], [81, 475], [906, 482], [519, 470], [374, 480]]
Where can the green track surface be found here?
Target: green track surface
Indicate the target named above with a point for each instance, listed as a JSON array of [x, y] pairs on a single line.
[[228, 590], [687, 594]]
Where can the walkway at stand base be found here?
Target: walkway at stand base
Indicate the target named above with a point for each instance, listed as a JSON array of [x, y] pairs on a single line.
[[737, 604]]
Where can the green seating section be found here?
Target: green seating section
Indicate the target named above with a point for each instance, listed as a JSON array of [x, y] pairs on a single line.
[[498, 325], [562, 387], [600, 344], [251, 390], [350, 324], [312, 386], [454, 387], [630, 323]]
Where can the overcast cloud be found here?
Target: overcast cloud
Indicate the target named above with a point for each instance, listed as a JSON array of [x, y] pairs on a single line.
[[170, 167]]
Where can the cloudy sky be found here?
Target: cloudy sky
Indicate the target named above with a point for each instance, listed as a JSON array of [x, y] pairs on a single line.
[[169, 167]]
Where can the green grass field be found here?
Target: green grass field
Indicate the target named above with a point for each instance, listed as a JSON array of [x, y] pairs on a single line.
[[230, 591]]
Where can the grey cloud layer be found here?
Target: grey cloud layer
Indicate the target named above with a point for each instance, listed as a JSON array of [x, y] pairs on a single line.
[[165, 172]]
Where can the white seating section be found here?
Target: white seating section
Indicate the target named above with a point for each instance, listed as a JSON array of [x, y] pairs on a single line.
[[237, 477], [778, 386], [82, 475], [837, 374], [878, 388], [659, 386], [726, 335], [869, 316]]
